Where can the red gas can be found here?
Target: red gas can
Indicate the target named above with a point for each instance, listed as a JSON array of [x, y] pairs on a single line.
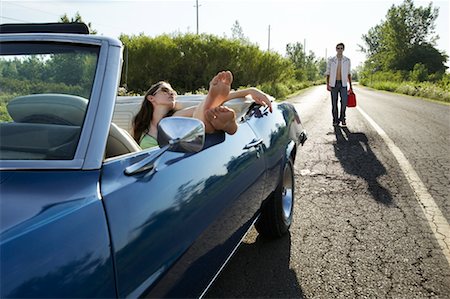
[[351, 99]]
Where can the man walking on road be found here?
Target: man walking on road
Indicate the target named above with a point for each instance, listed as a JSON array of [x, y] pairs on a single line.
[[338, 75]]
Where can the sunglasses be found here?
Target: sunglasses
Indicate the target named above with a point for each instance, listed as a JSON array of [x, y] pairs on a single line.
[[339, 48], [166, 90]]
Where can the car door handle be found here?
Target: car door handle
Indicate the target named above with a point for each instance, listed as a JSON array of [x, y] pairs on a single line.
[[254, 143]]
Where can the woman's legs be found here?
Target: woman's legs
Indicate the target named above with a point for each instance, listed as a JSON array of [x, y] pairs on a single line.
[[222, 118], [214, 116]]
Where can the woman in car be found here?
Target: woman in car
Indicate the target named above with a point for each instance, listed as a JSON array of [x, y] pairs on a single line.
[[160, 101]]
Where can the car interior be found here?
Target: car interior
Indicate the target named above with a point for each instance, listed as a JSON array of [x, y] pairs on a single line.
[[44, 127], [47, 126], [127, 107], [120, 140]]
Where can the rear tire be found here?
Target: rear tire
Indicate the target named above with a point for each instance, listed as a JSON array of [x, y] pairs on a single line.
[[277, 212]]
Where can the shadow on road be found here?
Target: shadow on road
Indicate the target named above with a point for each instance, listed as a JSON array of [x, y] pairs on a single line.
[[258, 270], [357, 158]]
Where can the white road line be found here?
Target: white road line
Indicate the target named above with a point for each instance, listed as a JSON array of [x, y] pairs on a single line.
[[436, 221]]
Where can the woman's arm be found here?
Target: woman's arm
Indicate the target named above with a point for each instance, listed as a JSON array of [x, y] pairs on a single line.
[[257, 95]]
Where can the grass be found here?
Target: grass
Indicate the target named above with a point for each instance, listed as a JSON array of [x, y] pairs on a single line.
[[418, 89], [282, 91], [4, 115]]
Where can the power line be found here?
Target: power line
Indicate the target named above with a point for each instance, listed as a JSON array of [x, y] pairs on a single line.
[[32, 8], [12, 19], [49, 13]]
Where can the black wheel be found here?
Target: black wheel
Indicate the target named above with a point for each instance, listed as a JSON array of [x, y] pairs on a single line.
[[276, 214]]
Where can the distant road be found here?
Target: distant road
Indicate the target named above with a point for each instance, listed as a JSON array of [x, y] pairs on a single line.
[[359, 228]]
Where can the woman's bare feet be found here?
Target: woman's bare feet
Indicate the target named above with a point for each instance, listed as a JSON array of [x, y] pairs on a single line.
[[222, 118], [219, 88]]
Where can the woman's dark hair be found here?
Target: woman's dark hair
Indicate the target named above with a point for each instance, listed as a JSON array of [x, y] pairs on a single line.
[[143, 118]]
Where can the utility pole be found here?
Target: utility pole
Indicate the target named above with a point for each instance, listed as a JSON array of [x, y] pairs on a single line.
[[268, 43], [126, 68], [196, 6]]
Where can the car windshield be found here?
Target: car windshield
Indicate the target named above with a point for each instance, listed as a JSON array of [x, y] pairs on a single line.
[[44, 94]]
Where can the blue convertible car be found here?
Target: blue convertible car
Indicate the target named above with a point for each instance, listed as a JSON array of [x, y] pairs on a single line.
[[87, 213]]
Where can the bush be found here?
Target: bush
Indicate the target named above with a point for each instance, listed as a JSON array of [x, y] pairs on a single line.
[[4, 99], [428, 90], [189, 61], [445, 82], [277, 90], [24, 87], [432, 91], [415, 83], [406, 88], [385, 85], [282, 90], [419, 73]]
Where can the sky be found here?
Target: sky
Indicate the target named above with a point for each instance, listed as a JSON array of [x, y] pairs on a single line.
[[317, 24]]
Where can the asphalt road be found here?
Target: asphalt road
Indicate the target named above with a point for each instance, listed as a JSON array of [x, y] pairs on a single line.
[[358, 230]]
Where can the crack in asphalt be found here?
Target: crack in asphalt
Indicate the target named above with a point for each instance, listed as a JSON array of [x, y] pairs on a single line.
[[436, 220], [357, 232]]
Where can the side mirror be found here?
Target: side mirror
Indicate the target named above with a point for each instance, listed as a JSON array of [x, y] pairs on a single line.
[[182, 134]]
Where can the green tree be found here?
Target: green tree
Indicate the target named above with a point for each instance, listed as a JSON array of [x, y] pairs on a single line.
[[237, 33], [405, 38], [306, 66], [311, 67], [78, 19], [32, 68], [321, 67], [296, 54], [9, 68]]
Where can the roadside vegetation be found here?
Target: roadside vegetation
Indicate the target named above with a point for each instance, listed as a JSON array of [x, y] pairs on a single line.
[[189, 61], [401, 57], [401, 54]]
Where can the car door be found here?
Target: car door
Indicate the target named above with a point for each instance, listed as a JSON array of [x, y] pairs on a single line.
[[173, 228], [54, 239]]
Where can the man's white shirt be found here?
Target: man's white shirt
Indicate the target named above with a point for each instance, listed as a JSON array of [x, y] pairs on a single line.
[[332, 65]]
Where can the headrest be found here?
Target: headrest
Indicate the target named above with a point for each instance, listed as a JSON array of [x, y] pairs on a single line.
[[48, 108]]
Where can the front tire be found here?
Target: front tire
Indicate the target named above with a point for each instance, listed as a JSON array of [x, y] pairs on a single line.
[[277, 212]]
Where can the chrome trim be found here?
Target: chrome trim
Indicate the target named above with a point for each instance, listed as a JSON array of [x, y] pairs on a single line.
[[228, 259], [287, 192], [254, 143], [99, 116], [146, 164], [93, 137], [56, 37], [39, 164]]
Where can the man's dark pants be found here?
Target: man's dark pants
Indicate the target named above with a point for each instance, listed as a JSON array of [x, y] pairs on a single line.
[[342, 90]]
